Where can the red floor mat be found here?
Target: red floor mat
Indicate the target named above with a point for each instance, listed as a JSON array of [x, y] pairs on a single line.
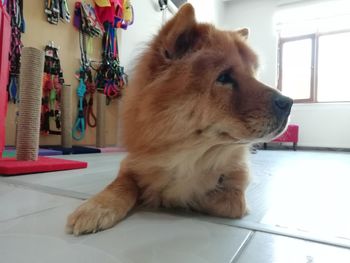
[[10, 166]]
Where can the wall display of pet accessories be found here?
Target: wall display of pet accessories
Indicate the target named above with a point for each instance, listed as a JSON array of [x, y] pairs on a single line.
[[111, 78], [106, 79], [85, 21], [56, 106]]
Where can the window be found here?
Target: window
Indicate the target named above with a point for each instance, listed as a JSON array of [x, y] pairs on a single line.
[[315, 68], [313, 54]]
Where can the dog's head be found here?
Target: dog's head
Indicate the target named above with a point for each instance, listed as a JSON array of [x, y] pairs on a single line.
[[196, 79]]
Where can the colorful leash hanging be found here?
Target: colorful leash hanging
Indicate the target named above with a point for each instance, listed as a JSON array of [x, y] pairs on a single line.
[[55, 10], [15, 9], [52, 87], [79, 128], [89, 114], [86, 22], [110, 78]]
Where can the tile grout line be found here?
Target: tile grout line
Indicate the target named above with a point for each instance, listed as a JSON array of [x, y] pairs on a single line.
[[291, 234], [47, 189], [257, 227], [29, 214], [242, 247]]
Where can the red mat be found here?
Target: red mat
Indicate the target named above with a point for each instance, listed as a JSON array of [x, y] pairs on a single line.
[[10, 166]]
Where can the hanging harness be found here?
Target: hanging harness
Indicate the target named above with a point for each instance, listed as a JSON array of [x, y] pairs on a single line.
[[86, 21], [53, 82], [15, 9], [55, 10]]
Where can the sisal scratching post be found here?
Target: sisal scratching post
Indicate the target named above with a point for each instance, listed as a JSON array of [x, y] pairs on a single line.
[[31, 76], [101, 120], [66, 138]]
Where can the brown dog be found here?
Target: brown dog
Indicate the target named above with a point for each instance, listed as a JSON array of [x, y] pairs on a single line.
[[190, 113]]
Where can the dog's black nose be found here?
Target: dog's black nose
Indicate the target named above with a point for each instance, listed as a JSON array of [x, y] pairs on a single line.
[[282, 105]]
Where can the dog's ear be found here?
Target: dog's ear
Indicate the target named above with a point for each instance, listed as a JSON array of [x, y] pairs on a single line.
[[179, 35], [244, 33]]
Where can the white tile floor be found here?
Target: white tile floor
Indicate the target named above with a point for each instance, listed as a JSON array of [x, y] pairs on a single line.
[[299, 213]]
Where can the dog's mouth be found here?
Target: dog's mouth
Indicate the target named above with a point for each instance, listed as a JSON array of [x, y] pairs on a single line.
[[281, 127], [259, 124], [268, 130], [277, 129]]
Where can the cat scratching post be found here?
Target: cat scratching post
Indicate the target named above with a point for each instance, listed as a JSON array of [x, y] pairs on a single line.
[[32, 68], [66, 109], [101, 120]]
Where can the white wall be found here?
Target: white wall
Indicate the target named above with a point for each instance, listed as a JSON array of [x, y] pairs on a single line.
[[146, 24], [207, 11], [322, 124], [148, 20], [258, 17]]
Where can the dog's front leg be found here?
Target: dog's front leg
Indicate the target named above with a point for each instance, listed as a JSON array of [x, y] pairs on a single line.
[[227, 203], [105, 209], [227, 199]]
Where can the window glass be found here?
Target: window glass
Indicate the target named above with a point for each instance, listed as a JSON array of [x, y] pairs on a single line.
[[296, 68], [333, 78]]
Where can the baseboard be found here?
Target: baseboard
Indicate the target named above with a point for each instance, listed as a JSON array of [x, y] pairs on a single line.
[[285, 146]]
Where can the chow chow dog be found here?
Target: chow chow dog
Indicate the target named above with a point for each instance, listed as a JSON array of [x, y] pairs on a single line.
[[192, 109]]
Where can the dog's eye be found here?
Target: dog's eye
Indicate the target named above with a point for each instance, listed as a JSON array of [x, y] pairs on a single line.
[[226, 78], [221, 179]]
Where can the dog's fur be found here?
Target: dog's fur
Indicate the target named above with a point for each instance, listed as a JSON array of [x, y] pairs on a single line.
[[190, 113]]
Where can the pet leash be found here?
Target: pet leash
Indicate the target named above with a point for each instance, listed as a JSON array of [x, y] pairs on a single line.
[[110, 78], [78, 131], [90, 117]]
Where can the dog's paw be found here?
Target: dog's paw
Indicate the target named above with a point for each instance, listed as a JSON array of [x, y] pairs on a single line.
[[91, 217]]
